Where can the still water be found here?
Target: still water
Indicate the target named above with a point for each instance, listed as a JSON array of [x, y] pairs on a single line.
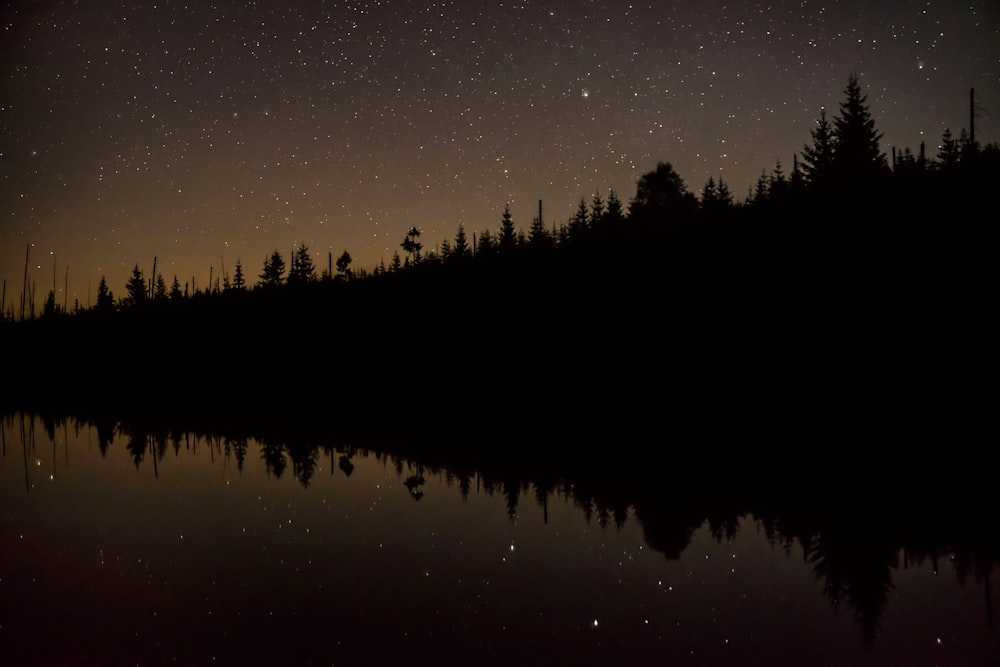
[[195, 549]]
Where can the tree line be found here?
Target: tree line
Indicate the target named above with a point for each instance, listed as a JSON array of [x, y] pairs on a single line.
[[842, 157]]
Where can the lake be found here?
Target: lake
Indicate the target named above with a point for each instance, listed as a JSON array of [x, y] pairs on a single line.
[[147, 546]]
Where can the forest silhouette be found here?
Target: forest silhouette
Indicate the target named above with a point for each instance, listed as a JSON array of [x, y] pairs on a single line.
[[849, 293]]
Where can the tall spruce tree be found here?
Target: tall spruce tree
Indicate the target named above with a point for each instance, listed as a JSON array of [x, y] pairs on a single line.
[[508, 235], [461, 248], [303, 270], [105, 297], [135, 288], [239, 281], [856, 153], [817, 158], [273, 273]]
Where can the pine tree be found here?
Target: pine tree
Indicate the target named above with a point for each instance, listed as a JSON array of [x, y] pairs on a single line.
[[411, 245], [948, 151], [777, 187], [797, 180], [709, 195], [817, 159], [446, 250], [461, 247], [596, 210], [538, 236], [135, 288], [856, 153], [273, 273], [487, 245], [579, 223], [615, 212], [344, 265], [725, 196], [239, 282], [160, 288], [175, 290], [303, 270], [105, 298], [508, 235]]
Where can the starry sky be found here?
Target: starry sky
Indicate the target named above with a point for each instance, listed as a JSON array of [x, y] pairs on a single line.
[[205, 133]]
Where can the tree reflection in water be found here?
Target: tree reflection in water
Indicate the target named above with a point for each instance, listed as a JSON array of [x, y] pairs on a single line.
[[854, 546]]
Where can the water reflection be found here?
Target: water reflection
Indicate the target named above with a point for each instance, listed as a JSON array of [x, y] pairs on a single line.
[[141, 542]]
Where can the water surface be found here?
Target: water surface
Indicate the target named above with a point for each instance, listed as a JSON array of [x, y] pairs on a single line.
[[197, 549]]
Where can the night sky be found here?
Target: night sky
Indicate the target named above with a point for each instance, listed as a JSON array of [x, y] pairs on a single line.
[[206, 133]]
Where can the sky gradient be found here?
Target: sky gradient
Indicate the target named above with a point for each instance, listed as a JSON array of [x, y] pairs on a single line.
[[204, 134]]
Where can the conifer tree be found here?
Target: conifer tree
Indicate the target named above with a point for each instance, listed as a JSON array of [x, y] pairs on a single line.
[[239, 282], [538, 236], [135, 288], [411, 245], [175, 290], [856, 153], [817, 158], [508, 235], [725, 196], [709, 195], [461, 248], [159, 288], [596, 210], [487, 245], [948, 151], [615, 212], [303, 270], [578, 224], [344, 265], [273, 273], [105, 297]]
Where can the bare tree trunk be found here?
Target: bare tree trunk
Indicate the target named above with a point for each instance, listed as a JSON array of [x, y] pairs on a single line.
[[972, 117], [24, 290]]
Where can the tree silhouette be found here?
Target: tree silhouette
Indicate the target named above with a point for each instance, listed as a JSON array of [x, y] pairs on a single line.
[[105, 298], [596, 210], [461, 248], [239, 282], [135, 288], [817, 158], [948, 151], [661, 196], [508, 235], [709, 195], [615, 212], [538, 237], [344, 265], [303, 271], [50, 309], [175, 290], [487, 245], [411, 245], [273, 273], [856, 152], [159, 288], [580, 222]]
